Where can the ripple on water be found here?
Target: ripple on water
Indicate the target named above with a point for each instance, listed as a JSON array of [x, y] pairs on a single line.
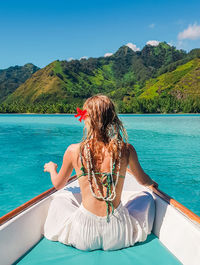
[[168, 148]]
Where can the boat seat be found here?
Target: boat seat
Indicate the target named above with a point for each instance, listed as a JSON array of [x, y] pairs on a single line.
[[53, 252]]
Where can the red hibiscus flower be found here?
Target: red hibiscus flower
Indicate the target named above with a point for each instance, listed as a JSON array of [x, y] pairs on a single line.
[[81, 113]]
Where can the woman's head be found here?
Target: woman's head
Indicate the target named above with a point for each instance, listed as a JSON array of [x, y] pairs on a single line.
[[104, 128], [102, 121]]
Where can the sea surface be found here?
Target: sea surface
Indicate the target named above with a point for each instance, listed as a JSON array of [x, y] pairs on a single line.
[[168, 148]]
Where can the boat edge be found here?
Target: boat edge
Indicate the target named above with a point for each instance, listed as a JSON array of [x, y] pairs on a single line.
[[8, 216], [181, 208]]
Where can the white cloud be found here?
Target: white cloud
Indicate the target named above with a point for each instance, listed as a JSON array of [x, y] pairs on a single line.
[[152, 26], [181, 45], [84, 57], [70, 59], [192, 33], [170, 44], [152, 42], [132, 46], [108, 54]]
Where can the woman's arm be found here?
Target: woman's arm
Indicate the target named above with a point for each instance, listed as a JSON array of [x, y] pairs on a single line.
[[60, 179], [137, 170]]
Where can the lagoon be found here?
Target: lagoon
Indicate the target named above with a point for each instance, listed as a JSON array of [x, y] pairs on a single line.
[[168, 147]]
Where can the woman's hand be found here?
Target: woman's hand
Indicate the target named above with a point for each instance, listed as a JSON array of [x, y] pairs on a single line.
[[155, 184], [50, 167]]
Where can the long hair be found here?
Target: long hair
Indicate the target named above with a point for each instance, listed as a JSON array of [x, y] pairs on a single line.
[[102, 128]]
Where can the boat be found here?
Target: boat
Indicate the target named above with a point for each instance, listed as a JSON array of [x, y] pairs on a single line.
[[175, 237]]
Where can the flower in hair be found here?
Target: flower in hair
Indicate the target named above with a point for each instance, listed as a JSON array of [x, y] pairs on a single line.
[[81, 113]]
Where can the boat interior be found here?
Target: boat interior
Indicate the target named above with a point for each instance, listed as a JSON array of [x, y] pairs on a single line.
[[175, 238]]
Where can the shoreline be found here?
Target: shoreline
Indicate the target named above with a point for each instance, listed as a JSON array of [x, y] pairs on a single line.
[[178, 113]]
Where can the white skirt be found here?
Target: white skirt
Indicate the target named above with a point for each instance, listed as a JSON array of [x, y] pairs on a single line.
[[70, 223]]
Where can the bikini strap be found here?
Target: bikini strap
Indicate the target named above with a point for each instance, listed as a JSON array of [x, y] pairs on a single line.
[[85, 173]]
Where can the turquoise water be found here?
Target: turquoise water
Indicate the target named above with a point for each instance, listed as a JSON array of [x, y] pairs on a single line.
[[168, 148]]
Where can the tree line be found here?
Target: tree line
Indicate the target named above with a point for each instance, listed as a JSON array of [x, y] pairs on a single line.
[[129, 105]]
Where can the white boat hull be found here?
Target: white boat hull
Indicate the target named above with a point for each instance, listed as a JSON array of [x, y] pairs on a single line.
[[179, 232]]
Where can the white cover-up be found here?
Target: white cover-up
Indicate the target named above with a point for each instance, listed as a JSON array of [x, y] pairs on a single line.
[[70, 223]]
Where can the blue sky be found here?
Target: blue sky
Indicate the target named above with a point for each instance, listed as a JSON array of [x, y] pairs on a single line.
[[40, 32]]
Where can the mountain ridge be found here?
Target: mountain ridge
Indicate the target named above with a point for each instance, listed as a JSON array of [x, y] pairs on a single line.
[[13, 76], [124, 76]]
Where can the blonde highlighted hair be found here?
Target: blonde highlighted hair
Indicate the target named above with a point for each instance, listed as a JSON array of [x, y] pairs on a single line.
[[104, 128]]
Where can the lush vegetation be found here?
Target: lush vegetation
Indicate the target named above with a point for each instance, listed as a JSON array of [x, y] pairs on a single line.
[[13, 77], [157, 79], [133, 105]]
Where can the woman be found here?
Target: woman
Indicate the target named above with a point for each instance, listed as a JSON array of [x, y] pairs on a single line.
[[100, 221]]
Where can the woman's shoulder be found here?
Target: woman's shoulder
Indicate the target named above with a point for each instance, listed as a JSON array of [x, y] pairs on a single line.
[[128, 149], [126, 145], [130, 146], [74, 147]]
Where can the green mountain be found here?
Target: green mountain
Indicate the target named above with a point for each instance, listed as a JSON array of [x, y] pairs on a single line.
[[43, 85], [138, 81], [176, 91], [13, 77], [182, 83]]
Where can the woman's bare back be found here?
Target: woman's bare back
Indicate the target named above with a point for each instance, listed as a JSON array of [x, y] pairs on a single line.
[[96, 206], [71, 159]]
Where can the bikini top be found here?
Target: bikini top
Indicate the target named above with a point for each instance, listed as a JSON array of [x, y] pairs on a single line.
[[84, 173]]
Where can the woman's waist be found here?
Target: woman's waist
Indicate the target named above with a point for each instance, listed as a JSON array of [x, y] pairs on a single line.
[[100, 207], [98, 214]]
